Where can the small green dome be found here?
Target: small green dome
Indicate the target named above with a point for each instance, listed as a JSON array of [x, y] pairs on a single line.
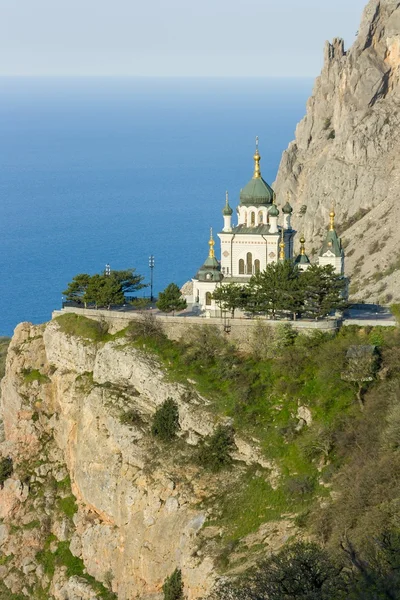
[[227, 211], [287, 209], [273, 211], [302, 259], [210, 270]]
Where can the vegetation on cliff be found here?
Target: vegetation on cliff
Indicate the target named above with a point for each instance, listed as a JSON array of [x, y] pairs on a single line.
[[297, 395], [321, 466]]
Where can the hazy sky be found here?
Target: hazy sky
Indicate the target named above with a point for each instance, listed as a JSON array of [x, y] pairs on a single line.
[[171, 37]]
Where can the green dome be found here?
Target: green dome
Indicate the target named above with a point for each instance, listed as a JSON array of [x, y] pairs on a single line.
[[302, 259], [273, 211], [287, 209], [227, 211], [210, 271], [256, 192]]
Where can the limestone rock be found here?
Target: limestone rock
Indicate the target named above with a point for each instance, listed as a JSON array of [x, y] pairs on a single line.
[[346, 154], [139, 510]]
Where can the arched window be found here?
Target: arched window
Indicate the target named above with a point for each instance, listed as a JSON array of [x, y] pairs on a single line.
[[260, 218], [253, 219], [208, 298], [256, 266], [241, 266], [245, 218], [249, 263]]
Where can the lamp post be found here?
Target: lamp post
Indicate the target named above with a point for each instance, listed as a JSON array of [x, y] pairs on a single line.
[[151, 265]]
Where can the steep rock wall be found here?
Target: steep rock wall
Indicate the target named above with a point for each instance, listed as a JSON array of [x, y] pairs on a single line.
[[346, 153], [140, 507]]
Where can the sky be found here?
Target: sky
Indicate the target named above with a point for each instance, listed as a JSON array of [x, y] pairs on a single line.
[[172, 38]]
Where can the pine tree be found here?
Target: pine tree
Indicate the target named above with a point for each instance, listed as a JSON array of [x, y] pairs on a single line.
[[323, 291], [228, 297], [171, 300]]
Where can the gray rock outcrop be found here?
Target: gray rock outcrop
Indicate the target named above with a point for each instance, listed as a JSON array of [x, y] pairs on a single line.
[[346, 153]]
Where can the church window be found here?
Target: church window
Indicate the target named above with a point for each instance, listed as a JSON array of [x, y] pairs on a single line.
[[245, 218], [249, 262], [253, 219], [227, 270], [256, 266], [260, 218], [208, 298], [241, 266]]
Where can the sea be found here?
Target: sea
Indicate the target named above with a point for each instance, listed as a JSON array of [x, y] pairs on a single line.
[[97, 171]]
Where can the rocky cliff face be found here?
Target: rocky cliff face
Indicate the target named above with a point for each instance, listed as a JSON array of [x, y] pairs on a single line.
[[346, 154], [93, 497]]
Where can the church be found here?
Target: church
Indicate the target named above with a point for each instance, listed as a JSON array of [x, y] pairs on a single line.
[[259, 238]]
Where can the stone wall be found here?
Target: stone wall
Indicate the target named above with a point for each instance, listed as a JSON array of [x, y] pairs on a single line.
[[239, 330]]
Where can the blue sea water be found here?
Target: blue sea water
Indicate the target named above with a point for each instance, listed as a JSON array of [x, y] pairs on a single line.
[[96, 171]]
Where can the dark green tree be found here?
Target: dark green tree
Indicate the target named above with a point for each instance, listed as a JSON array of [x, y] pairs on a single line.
[[277, 289], [102, 289], [301, 571], [323, 291], [76, 290], [173, 586], [215, 452], [166, 420], [6, 470], [228, 297], [171, 299]]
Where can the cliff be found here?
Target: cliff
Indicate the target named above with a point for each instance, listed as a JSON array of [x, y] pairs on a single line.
[[346, 152], [94, 505], [93, 497]]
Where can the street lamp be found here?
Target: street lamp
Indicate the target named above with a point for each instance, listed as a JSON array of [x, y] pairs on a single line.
[[151, 265]]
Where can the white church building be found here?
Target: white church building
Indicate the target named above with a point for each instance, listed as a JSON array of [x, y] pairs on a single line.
[[257, 240]]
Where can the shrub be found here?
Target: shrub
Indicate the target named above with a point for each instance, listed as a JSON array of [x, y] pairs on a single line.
[[301, 571], [332, 135], [204, 344], [391, 435], [327, 123], [146, 326], [31, 375], [166, 421], [173, 586], [215, 453], [6, 470], [131, 417], [68, 506], [301, 485], [285, 335], [395, 310]]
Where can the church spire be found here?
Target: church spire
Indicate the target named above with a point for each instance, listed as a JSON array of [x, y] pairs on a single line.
[[332, 219], [282, 247], [211, 243], [302, 246], [257, 158]]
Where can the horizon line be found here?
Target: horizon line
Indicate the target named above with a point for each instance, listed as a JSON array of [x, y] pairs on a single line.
[[133, 76]]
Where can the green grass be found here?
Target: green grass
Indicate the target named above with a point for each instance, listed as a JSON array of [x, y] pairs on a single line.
[[6, 594], [63, 556], [262, 396], [31, 375], [89, 329], [68, 506], [251, 502], [32, 525]]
